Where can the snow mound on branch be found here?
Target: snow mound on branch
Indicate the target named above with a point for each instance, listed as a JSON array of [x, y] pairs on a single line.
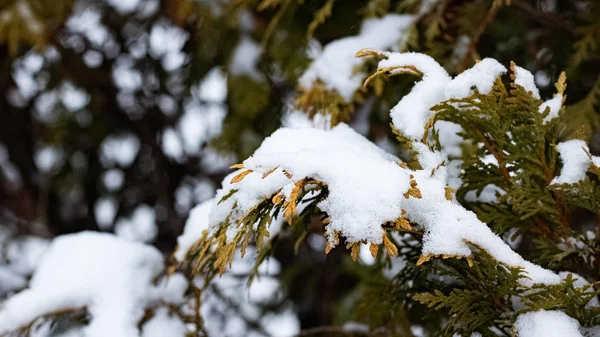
[[576, 161], [525, 79], [413, 112], [481, 76], [366, 189], [335, 66], [547, 324], [365, 183], [555, 103], [109, 276]]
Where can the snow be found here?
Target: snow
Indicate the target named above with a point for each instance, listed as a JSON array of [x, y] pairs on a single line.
[[297, 119], [596, 161], [112, 278], [163, 324], [525, 79], [24, 254], [449, 138], [357, 204], [10, 281], [481, 76], [412, 113], [196, 223], [250, 191], [335, 66], [576, 161], [554, 104], [245, 58], [546, 323], [141, 226]]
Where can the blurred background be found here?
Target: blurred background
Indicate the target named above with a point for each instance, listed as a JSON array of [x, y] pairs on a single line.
[[121, 115]]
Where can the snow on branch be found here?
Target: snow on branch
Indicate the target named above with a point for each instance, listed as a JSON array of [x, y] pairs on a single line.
[[576, 159], [546, 323], [93, 271], [366, 191], [369, 188], [335, 65]]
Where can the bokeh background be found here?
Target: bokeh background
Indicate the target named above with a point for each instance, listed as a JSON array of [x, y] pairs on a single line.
[[121, 115]]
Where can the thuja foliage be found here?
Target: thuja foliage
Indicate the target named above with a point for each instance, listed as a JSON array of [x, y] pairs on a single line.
[[508, 147], [448, 295]]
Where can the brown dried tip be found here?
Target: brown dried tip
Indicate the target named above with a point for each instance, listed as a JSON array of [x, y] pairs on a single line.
[[269, 172], [374, 249], [355, 251], [403, 165], [390, 248], [240, 176], [369, 52], [561, 84], [327, 248], [287, 174], [513, 75], [237, 166], [277, 199], [403, 223], [413, 192], [423, 259], [448, 192]]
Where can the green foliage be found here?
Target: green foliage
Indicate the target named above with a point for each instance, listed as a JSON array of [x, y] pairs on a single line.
[[482, 298], [505, 125]]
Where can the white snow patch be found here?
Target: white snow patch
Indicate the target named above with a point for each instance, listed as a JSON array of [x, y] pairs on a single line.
[[110, 277], [546, 323], [357, 204], [525, 79], [554, 105], [335, 66], [576, 161]]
